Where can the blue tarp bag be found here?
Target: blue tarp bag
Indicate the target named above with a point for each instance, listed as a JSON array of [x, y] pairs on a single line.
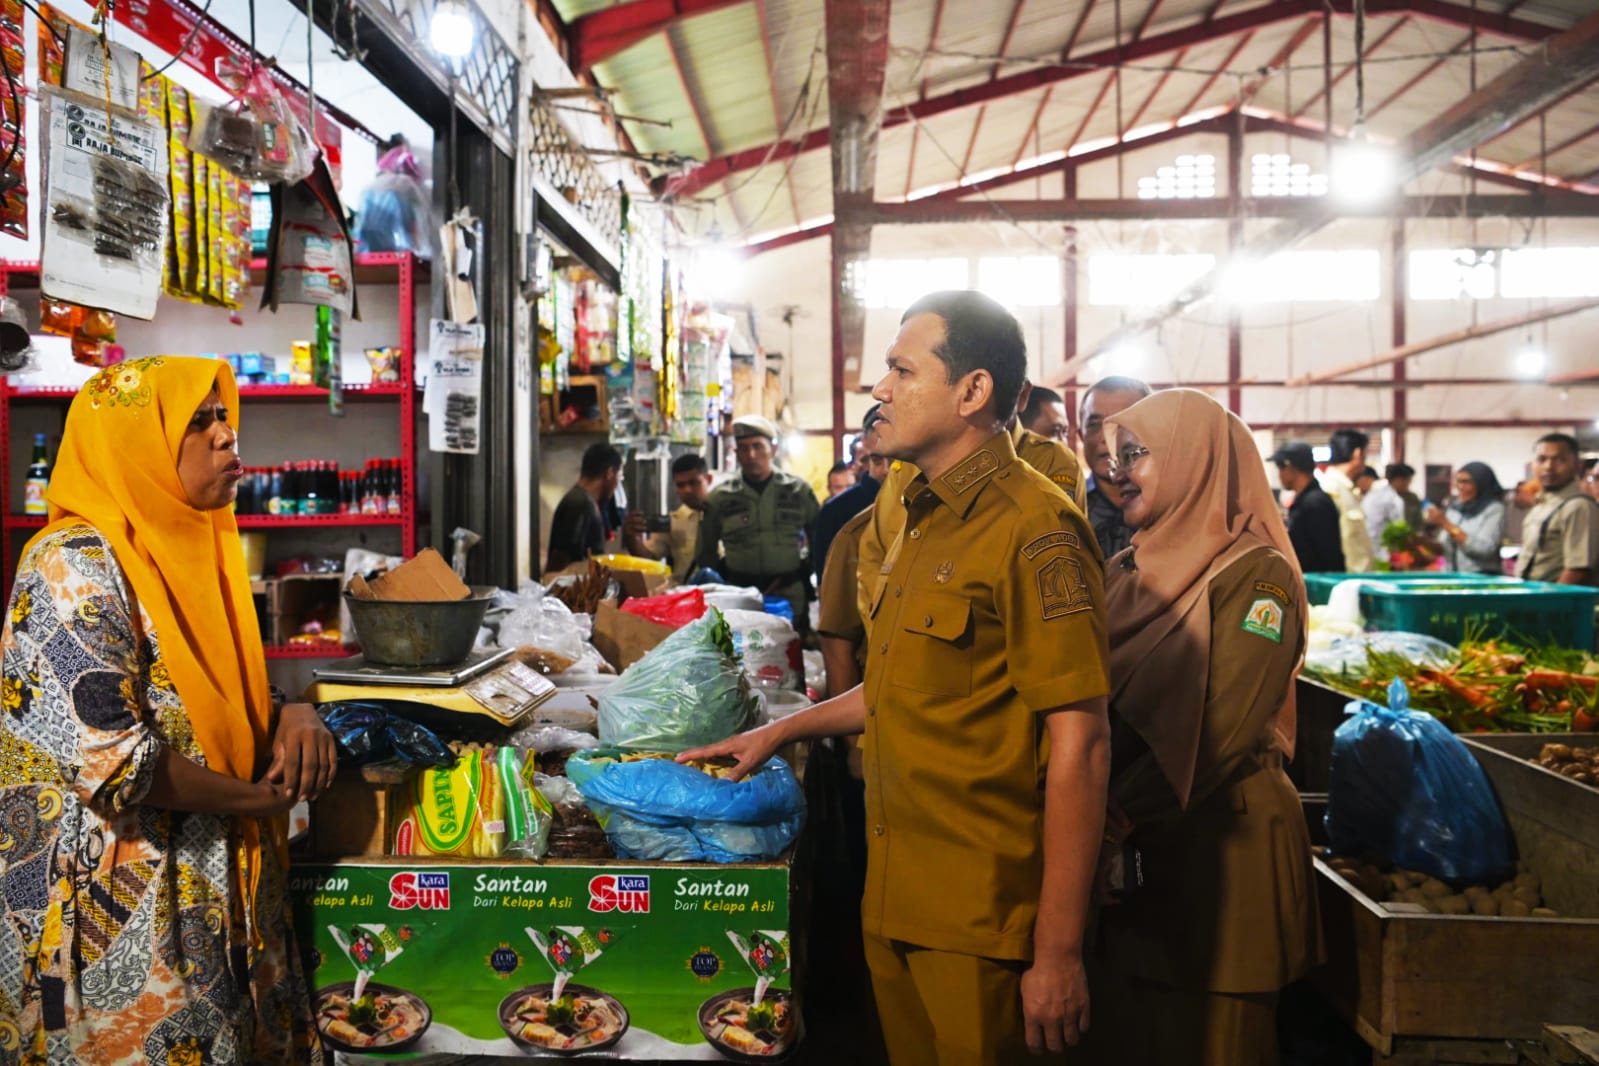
[[1405, 788], [656, 809]]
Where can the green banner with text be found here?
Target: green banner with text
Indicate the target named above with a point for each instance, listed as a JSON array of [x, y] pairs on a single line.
[[633, 962]]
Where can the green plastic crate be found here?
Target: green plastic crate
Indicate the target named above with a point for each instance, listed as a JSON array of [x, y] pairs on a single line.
[[1320, 586], [1527, 611]]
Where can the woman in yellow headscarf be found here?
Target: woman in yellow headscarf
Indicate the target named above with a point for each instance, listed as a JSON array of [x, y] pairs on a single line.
[[144, 774]]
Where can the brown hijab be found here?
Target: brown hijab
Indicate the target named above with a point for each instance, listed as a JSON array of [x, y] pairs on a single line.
[[1211, 507]]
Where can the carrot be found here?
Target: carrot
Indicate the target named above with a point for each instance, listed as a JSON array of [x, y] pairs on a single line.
[[1448, 681], [1557, 679]]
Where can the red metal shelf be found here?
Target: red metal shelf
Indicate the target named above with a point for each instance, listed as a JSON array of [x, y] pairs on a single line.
[[312, 521], [254, 521], [310, 651], [24, 393]]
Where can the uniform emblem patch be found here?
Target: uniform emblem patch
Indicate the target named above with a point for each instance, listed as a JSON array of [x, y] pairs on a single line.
[[1061, 588], [1265, 619], [944, 572]]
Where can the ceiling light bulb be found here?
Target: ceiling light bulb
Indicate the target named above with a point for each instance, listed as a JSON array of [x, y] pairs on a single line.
[[452, 30], [1531, 361], [1363, 174]]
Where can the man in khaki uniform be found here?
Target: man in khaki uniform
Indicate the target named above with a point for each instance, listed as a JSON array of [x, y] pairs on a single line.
[[1050, 457], [1560, 536], [983, 709], [759, 526]]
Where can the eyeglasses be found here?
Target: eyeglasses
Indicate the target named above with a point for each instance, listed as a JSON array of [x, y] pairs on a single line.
[[1125, 458]]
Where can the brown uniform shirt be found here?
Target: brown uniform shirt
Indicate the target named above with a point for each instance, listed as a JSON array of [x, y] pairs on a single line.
[[840, 614], [1561, 532], [1053, 459], [1228, 903], [991, 610]]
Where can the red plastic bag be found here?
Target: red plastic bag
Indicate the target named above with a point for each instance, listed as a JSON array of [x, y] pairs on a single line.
[[675, 609]]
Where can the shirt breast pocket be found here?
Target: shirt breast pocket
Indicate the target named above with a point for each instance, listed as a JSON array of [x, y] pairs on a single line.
[[932, 651]]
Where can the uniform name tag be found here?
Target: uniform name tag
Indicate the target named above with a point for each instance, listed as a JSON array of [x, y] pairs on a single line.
[[1058, 539], [1272, 590]]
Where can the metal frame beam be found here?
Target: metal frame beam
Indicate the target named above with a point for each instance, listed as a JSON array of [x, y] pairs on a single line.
[[857, 62], [1371, 50], [596, 37], [1194, 34], [1519, 91], [932, 211]]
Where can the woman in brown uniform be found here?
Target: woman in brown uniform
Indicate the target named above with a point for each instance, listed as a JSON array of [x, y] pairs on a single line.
[[1207, 632]]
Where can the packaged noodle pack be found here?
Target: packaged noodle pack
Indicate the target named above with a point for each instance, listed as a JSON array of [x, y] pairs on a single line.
[[482, 807]]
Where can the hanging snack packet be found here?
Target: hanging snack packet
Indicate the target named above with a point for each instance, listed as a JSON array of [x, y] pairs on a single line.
[[568, 949], [369, 947], [766, 953]]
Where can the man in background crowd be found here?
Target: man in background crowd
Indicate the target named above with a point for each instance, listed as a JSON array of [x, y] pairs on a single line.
[[840, 479], [1106, 397], [691, 479], [1365, 480], [1590, 478], [837, 512], [1385, 504], [1045, 414], [1348, 461], [1312, 517], [1560, 536], [758, 526], [578, 529]]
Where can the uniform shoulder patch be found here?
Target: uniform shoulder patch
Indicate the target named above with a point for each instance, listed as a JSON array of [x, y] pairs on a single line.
[[976, 468], [1058, 539], [1273, 590], [1062, 589], [1265, 619]]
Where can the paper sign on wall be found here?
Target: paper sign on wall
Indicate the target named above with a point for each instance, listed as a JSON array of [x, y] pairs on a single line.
[[454, 394]]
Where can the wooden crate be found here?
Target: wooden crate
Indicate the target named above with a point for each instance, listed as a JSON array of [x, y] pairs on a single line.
[[1415, 977], [1563, 1045], [1320, 711]]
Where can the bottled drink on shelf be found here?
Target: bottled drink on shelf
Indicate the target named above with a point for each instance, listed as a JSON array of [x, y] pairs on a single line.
[[395, 489], [38, 478]]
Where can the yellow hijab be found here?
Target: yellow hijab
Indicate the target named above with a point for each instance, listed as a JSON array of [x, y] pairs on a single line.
[[118, 472]]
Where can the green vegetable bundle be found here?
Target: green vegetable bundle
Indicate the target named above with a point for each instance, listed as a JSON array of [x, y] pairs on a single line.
[[687, 692]]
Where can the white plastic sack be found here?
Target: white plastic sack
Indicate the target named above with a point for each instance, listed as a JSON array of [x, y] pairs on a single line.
[[732, 598], [768, 646]]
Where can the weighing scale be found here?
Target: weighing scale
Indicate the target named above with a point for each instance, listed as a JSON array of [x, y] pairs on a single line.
[[489, 686]]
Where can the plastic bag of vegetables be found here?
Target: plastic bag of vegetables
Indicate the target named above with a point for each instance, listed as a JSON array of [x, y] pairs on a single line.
[[687, 692], [654, 808], [1403, 787]]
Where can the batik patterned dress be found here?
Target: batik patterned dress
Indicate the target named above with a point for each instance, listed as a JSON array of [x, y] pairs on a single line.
[[125, 937]]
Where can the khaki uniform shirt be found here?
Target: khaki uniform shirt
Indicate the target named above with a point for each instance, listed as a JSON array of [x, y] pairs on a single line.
[[681, 545], [1228, 902], [1571, 540], [1053, 459], [758, 536], [840, 609], [991, 610], [1360, 556]]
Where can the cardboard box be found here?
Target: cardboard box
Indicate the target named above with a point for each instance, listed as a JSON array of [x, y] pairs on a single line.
[[623, 638], [426, 578]]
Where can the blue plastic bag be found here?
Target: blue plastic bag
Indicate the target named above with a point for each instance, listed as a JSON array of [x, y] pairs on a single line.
[[1405, 788], [657, 809]]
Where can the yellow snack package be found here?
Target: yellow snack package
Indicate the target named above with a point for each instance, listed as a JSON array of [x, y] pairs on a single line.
[[455, 810]]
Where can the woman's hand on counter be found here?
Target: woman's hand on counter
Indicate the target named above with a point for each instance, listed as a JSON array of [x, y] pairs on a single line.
[[179, 784], [304, 755]]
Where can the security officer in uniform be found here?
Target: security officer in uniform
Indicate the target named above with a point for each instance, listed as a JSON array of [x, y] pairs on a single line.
[[759, 526], [983, 710], [1052, 458]]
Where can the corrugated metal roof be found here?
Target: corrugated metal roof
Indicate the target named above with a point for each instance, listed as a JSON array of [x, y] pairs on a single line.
[[1417, 65]]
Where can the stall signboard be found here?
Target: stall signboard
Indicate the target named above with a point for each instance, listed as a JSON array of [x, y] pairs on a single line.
[[616, 960]]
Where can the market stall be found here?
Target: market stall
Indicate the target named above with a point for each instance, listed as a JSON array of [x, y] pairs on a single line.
[[511, 866], [1455, 880]]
